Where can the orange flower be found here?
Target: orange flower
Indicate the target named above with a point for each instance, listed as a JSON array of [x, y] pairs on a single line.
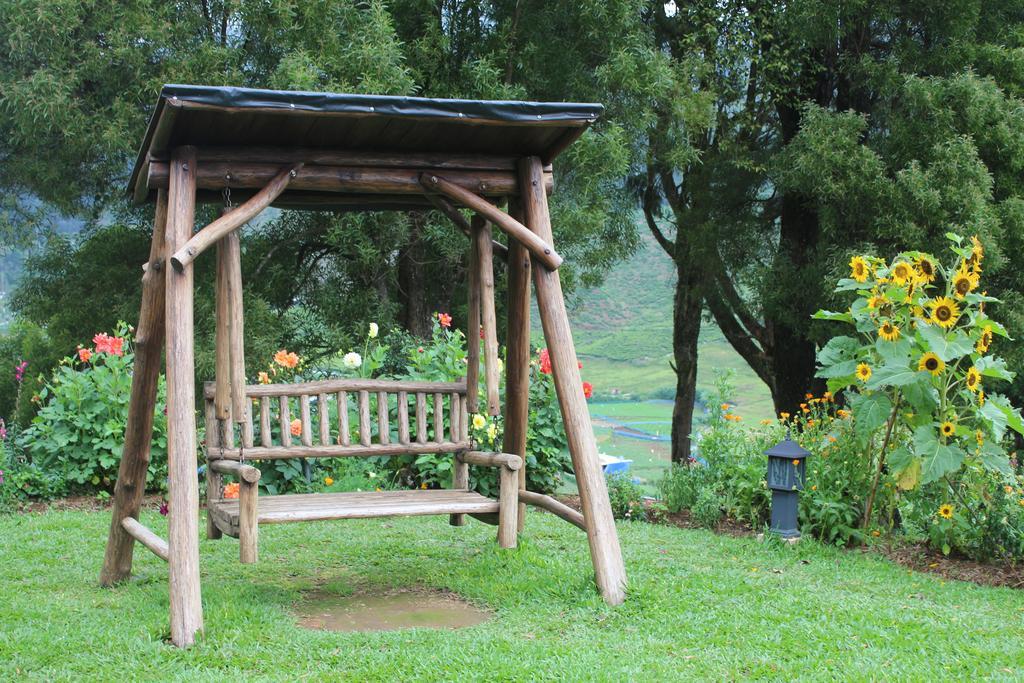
[[263, 378], [328, 481], [831, 439], [84, 355], [423, 485], [724, 406], [783, 416], [444, 319], [588, 389], [231, 490], [286, 359], [296, 427]]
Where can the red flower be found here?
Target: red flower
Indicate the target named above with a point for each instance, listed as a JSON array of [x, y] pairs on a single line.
[[84, 355], [545, 362], [588, 389], [481, 332], [444, 319]]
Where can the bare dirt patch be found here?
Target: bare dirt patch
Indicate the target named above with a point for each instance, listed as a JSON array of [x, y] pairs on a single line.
[[387, 611]]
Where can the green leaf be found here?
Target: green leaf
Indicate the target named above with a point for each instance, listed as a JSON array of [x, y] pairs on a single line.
[[906, 466], [844, 369], [893, 376], [837, 350], [995, 418], [845, 317], [994, 458], [1012, 414], [937, 458], [921, 395], [870, 411], [893, 353], [948, 347], [990, 366]]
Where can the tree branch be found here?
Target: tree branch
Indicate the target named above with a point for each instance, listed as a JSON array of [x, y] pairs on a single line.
[[650, 211], [738, 338]]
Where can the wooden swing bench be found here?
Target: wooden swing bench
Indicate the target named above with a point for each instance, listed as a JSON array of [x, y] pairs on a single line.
[[343, 152], [421, 409]]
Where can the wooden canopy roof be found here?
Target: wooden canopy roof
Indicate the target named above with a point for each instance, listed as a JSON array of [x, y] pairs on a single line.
[[358, 151]]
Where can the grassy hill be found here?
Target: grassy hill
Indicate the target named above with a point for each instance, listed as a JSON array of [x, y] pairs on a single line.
[[623, 333]]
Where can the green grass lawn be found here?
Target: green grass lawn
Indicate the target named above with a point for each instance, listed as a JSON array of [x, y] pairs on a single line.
[[700, 606]]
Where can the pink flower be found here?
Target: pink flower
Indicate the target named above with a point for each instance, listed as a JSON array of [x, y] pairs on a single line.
[[164, 508], [84, 355], [19, 371], [3, 429], [588, 389], [444, 319]]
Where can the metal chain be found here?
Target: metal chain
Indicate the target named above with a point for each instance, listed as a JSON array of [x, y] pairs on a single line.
[[227, 196]]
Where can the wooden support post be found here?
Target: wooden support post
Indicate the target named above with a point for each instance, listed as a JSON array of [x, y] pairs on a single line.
[[383, 421], [482, 235], [222, 336], [460, 481], [508, 507], [214, 481], [609, 570], [403, 417], [248, 528], [183, 537], [472, 403], [325, 420], [240, 408], [149, 339], [517, 356]]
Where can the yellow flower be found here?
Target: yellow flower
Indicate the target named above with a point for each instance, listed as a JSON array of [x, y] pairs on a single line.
[[981, 398], [859, 269], [977, 252], [888, 331], [925, 268], [863, 372], [423, 485], [374, 330], [877, 301], [328, 481], [795, 462], [964, 281], [945, 312], [979, 436], [973, 379], [479, 421], [901, 272], [931, 363], [492, 432], [948, 429], [946, 511], [985, 340]]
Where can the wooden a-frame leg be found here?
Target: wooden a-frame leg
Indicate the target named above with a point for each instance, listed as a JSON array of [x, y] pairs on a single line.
[[508, 504], [183, 538], [605, 552], [138, 435], [517, 356], [248, 528]]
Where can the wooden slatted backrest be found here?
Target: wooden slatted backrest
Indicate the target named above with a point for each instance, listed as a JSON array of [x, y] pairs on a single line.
[[344, 417]]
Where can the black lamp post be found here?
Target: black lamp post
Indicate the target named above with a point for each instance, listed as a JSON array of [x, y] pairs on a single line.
[[787, 472]]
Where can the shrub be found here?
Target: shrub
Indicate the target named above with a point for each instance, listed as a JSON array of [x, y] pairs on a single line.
[[707, 509], [78, 432], [627, 498]]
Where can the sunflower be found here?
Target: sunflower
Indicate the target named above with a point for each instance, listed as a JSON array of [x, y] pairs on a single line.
[[888, 331], [945, 312], [931, 363], [901, 273], [964, 281], [925, 268], [985, 340], [946, 511], [877, 300], [979, 436], [947, 429], [973, 379], [977, 252], [863, 372], [859, 269]]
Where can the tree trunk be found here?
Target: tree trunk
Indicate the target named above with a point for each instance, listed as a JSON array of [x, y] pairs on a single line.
[[689, 303], [412, 293]]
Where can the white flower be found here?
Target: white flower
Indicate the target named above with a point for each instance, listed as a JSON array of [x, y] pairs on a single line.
[[371, 475], [352, 360], [374, 330]]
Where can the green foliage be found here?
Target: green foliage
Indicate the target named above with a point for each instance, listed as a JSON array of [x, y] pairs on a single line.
[[78, 433], [627, 499]]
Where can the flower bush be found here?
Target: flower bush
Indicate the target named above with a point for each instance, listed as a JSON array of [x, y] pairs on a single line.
[[78, 433]]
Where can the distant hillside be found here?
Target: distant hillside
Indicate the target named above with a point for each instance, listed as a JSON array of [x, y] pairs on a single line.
[[623, 333]]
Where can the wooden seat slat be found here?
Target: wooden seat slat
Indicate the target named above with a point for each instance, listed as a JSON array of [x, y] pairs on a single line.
[[325, 506]]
